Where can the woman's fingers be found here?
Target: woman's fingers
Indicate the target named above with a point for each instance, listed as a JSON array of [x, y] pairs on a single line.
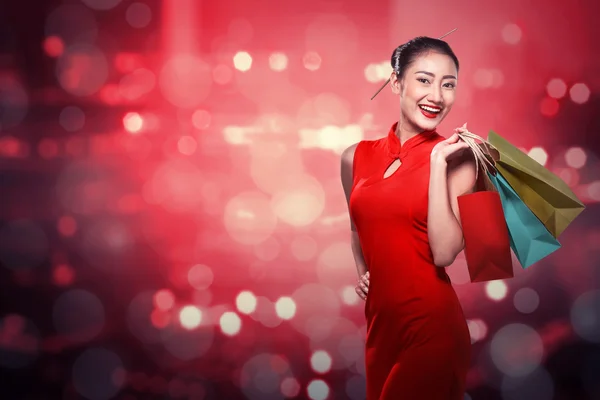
[[362, 288], [360, 293], [365, 279]]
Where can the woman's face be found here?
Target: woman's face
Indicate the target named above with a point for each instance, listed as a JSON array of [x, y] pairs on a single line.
[[427, 91]]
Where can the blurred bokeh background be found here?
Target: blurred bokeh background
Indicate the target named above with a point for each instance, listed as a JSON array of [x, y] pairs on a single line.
[[172, 223]]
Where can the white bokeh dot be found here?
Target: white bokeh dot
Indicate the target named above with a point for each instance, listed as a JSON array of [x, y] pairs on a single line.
[[538, 154], [321, 361], [496, 290], [230, 323], [246, 302], [242, 61], [285, 307], [317, 389]]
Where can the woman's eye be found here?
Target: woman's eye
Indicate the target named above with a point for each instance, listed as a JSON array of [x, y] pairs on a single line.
[[423, 80], [450, 85]]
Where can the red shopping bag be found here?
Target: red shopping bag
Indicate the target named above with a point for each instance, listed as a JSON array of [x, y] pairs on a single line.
[[487, 242]]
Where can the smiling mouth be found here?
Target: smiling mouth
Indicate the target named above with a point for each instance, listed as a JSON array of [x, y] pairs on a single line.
[[430, 109]]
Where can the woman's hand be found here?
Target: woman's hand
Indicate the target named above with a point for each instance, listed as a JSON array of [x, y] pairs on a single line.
[[450, 148], [362, 288]]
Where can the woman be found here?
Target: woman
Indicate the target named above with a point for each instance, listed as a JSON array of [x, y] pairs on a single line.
[[402, 195]]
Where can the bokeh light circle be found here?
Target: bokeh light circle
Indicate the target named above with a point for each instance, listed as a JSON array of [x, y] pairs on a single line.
[[285, 307], [138, 15], [576, 157], [242, 61], [496, 290], [580, 93], [320, 361], [517, 350], [278, 61], [301, 202], [246, 302], [249, 218], [230, 323], [72, 118], [201, 119], [526, 300], [200, 277], [317, 389], [98, 374], [78, 315], [556, 88], [190, 317], [538, 154], [82, 69], [477, 329], [511, 34], [312, 61], [585, 316], [185, 80], [290, 387]]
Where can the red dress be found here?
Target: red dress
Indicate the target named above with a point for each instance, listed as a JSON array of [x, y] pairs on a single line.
[[418, 345]]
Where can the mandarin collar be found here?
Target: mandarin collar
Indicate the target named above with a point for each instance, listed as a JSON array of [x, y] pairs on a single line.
[[396, 150]]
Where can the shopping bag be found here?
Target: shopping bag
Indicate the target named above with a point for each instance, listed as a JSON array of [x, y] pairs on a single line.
[[545, 194], [487, 242], [529, 238]]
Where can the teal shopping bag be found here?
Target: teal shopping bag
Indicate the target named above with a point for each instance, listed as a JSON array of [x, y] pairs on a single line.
[[530, 240]]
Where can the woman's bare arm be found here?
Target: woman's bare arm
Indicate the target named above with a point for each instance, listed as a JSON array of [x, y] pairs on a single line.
[[347, 179], [447, 182]]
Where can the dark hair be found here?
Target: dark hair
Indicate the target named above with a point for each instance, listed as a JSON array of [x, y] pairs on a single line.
[[405, 54]]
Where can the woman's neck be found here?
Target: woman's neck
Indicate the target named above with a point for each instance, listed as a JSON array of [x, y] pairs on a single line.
[[405, 132]]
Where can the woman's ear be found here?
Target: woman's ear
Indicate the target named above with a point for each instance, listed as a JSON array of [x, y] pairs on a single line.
[[395, 83]]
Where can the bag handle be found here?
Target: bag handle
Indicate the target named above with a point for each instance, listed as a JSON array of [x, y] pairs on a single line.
[[485, 155]]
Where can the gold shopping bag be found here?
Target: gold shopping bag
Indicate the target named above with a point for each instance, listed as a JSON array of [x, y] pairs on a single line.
[[546, 195]]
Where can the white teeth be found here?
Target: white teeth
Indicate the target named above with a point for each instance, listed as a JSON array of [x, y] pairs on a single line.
[[429, 109]]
